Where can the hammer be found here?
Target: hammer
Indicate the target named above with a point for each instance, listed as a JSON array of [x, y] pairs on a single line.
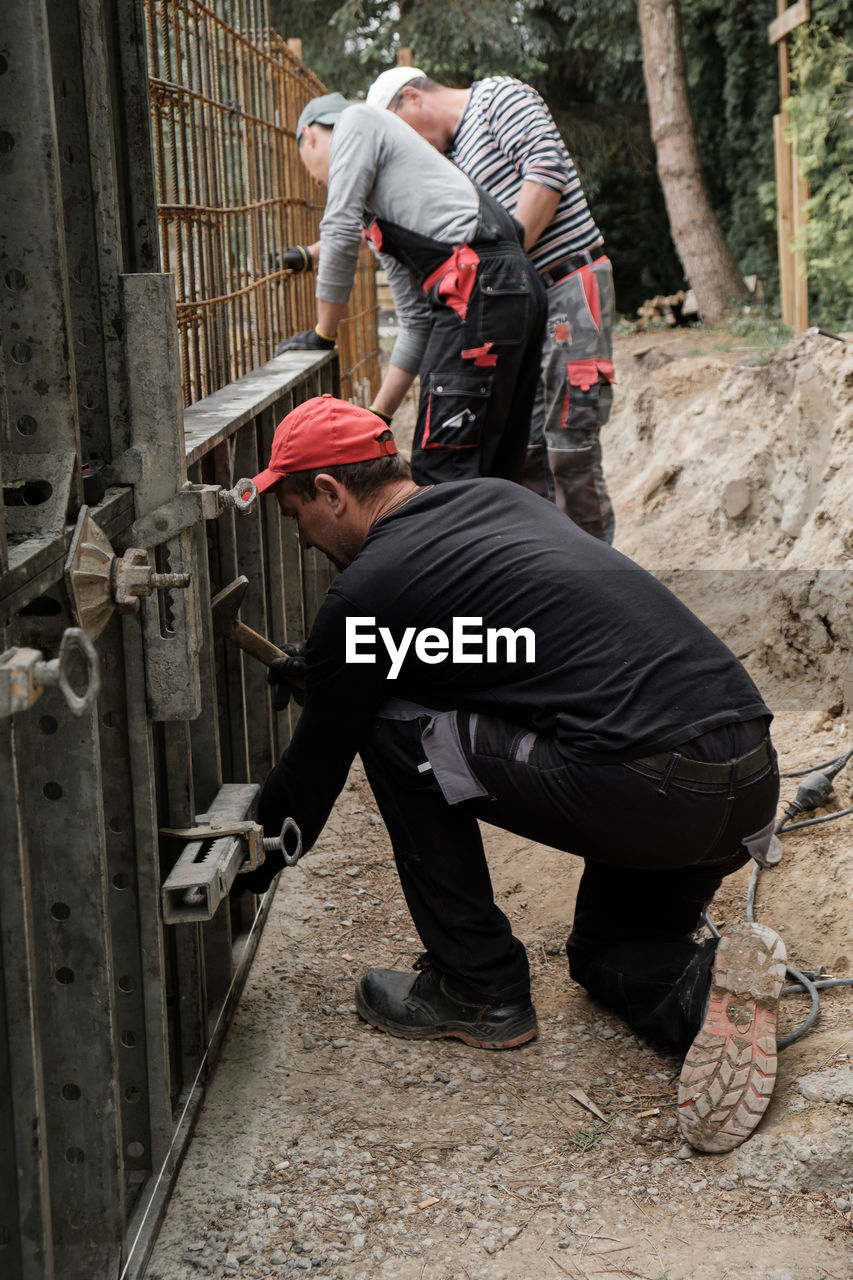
[[224, 607]]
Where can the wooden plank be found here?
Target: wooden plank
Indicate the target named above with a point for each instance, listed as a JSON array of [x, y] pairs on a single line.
[[789, 19], [784, 63], [784, 225], [800, 217]]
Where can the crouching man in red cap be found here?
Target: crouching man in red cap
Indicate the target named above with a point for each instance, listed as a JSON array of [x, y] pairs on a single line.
[[632, 738]]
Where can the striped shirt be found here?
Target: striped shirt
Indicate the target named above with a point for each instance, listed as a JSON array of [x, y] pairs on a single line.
[[507, 136]]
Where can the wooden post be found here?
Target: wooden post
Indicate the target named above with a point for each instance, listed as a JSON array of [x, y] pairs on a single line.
[[404, 58], [792, 191], [801, 277], [294, 44], [784, 216]]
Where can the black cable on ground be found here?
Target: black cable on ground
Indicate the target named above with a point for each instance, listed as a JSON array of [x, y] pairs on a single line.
[[812, 822], [816, 788]]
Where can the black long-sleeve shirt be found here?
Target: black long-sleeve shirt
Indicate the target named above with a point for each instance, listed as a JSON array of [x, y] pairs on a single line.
[[621, 669]]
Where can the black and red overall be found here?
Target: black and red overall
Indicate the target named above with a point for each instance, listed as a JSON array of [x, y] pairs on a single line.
[[480, 369]]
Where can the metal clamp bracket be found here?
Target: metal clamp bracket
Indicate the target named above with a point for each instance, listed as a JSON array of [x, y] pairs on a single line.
[[223, 841], [192, 503], [280, 842], [241, 497], [131, 577], [99, 581], [24, 675]]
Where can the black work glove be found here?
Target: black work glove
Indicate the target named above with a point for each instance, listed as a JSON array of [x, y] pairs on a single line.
[[282, 671], [297, 258], [307, 340], [259, 880]]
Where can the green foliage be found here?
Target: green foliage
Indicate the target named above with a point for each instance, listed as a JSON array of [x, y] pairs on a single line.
[[593, 83], [584, 57], [821, 113], [591, 49], [759, 326], [733, 82], [456, 41], [322, 45]]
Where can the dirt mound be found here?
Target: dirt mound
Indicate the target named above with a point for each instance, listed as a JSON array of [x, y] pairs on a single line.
[[733, 483], [721, 461]]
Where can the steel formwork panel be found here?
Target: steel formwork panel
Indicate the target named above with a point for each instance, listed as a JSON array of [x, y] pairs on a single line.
[[26, 1236], [109, 1020], [34, 308], [92, 243], [81, 1034]]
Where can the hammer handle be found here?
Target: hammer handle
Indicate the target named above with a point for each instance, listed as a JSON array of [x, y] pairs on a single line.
[[258, 646]]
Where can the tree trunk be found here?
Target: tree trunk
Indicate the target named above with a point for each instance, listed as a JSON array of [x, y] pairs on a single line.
[[705, 256]]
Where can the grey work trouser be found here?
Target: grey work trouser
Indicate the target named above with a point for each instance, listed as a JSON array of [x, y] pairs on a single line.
[[574, 397]]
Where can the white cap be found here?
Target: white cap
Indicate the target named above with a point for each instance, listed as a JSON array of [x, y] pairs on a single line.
[[389, 84]]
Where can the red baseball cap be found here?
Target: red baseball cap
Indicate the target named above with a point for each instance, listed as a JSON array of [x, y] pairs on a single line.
[[324, 432]]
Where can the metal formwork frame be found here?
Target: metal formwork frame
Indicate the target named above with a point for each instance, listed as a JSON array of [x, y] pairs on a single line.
[[118, 726], [226, 95]]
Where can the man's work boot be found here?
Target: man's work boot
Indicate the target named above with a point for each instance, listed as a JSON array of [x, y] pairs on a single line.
[[728, 1074], [420, 1007]]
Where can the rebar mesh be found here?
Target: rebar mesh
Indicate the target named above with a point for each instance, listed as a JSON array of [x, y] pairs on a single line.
[[226, 93]]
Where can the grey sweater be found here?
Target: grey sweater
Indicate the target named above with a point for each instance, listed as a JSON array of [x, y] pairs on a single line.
[[377, 162]]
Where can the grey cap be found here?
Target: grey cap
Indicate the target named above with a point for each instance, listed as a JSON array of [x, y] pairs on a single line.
[[324, 110]]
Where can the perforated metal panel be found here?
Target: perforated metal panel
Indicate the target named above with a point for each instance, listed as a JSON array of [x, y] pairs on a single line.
[[109, 1019]]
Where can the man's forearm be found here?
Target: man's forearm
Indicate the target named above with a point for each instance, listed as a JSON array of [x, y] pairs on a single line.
[[329, 317], [535, 208], [395, 384]]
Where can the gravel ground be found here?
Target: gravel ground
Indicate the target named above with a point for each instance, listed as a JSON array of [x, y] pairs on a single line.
[[326, 1147]]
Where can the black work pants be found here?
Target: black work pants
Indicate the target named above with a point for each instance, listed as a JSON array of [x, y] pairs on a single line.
[[479, 373], [655, 850]]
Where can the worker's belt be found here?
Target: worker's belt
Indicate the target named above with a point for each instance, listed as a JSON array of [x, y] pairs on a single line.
[[556, 271], [677, 766]]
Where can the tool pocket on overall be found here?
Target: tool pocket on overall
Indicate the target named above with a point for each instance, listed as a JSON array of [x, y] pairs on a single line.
[[579, 370], [457, 408], [503, 310], [574, 472], [588, 395]]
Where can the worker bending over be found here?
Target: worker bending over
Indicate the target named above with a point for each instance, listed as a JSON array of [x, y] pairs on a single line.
[[470, 307], [489, 660], [501, 133]]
